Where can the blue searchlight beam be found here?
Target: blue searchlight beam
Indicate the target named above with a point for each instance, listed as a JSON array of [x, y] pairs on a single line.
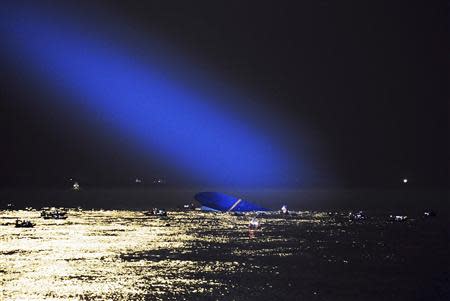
[[190, 130]]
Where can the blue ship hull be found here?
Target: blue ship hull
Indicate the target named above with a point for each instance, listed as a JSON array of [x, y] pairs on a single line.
[[222, 202]]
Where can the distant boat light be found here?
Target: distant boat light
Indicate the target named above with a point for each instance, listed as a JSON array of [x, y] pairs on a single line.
[[76, 186]]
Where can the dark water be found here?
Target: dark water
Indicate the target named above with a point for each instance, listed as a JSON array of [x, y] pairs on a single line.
[[125, 255]]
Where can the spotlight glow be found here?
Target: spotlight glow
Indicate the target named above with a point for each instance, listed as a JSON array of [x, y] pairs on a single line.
[[146, 103]]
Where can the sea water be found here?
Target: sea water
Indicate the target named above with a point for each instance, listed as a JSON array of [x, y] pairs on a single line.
[[126, 255]]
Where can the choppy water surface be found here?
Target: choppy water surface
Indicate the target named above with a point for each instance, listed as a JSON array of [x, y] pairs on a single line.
[[125, 255]]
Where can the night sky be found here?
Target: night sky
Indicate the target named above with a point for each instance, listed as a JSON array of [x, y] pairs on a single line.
[[358, 91]]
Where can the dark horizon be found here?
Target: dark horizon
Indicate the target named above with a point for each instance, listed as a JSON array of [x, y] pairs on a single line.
[[411, 202]]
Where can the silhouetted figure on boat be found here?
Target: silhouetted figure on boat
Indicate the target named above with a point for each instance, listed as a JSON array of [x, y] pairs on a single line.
[[156, 212], [54, 213], [24, 224]]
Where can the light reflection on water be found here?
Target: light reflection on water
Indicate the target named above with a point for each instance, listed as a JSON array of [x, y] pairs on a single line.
[[125, 255]]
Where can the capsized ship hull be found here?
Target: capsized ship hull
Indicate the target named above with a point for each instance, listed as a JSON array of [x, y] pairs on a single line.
[[222, 202]]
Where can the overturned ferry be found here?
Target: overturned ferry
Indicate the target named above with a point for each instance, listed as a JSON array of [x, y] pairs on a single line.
[[215, 201]]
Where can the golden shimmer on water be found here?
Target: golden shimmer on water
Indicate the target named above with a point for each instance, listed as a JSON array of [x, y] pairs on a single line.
[[126, 255], [83, 256]]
